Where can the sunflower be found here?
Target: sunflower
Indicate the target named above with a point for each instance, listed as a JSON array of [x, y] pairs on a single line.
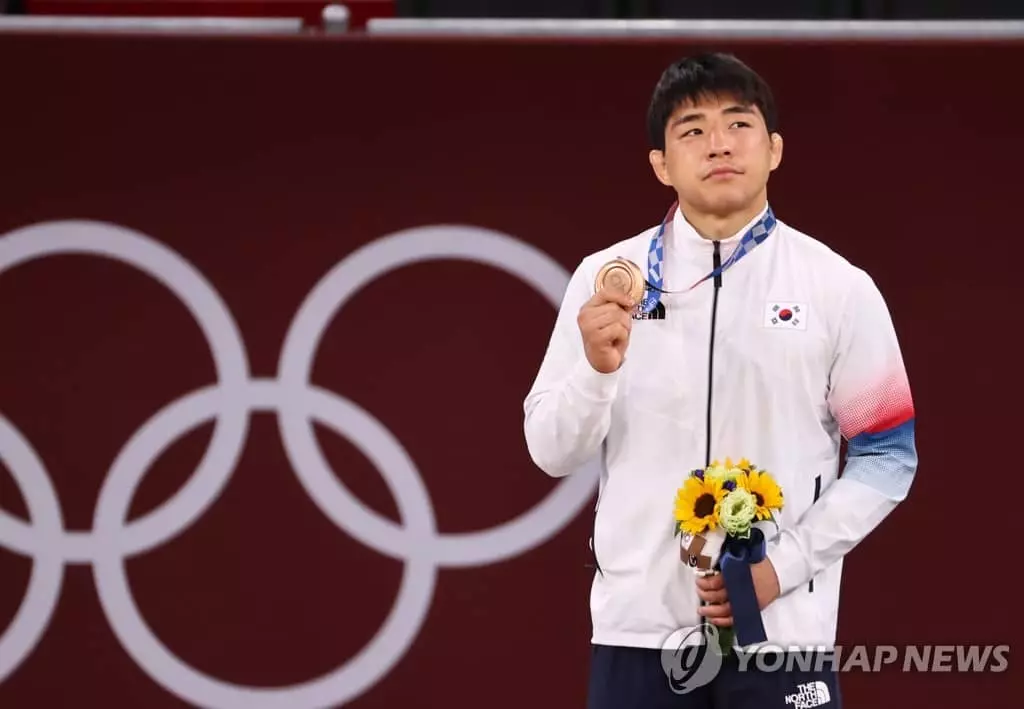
[[697, 504], [765, 490]]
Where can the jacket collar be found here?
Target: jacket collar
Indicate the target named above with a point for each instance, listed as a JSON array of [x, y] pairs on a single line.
[[688, 243]]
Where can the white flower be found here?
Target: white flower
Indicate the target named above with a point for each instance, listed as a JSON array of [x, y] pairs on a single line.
[[736, 512]]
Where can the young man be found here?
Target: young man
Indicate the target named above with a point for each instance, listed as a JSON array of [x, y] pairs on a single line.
[[783, 348]]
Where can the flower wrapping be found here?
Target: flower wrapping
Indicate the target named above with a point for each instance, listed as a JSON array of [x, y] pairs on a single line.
[[724, 514]]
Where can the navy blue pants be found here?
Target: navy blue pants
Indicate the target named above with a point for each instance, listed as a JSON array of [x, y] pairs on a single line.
[[638, 678]]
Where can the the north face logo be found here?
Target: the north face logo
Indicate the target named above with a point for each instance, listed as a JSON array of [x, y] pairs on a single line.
[[657, 313], [811, 694]]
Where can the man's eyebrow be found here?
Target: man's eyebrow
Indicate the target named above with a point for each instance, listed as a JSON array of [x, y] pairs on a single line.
[[687, 118], [738, 109]]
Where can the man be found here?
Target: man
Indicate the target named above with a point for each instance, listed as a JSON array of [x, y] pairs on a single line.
[[780, 351]]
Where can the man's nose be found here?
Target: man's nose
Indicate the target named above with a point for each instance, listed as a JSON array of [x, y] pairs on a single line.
[[719, 143]]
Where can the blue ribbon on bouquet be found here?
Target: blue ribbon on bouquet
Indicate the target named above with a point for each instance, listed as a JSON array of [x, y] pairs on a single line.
[[737, 556]]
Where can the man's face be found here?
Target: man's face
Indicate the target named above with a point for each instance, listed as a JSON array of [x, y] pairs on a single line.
[[718, 155]]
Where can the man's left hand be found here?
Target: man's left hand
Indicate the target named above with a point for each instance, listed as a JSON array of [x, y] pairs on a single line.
[[711, 589]]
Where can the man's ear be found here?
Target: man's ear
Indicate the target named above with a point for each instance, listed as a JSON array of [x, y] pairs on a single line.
[[657, 158], [776, 150]]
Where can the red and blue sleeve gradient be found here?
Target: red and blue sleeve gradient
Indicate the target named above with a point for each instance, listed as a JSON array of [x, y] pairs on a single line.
[[878, 425]]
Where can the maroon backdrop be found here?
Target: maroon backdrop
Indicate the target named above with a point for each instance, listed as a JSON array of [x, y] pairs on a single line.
[[264, 162]]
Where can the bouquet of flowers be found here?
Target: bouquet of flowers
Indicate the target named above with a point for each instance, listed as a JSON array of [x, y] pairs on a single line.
[[723, 515]]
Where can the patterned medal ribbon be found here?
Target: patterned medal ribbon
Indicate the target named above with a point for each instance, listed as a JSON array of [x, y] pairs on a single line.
[[752, 238]]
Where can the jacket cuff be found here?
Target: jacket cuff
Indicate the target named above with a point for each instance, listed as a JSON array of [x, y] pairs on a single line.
[[790, 564]]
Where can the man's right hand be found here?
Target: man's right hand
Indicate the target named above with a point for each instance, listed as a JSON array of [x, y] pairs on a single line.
[[605, 324]]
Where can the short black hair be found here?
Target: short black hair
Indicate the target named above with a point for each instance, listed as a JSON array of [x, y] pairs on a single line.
[[706, 75]]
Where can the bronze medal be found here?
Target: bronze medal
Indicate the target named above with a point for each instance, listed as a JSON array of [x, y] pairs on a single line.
[[621, 275]]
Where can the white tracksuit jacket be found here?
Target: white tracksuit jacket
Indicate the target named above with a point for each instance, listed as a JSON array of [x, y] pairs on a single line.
[[715, 377]]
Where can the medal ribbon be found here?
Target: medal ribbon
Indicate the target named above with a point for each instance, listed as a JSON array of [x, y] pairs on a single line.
[[752, 238]]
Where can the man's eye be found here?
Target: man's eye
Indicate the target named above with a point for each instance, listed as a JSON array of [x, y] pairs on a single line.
[[692, 131], [744, 124]]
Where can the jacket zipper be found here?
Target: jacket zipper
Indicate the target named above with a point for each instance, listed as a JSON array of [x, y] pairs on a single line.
[[717, 261]]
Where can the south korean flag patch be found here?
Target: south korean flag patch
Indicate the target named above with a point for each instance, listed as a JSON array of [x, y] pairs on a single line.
[[785, 315]]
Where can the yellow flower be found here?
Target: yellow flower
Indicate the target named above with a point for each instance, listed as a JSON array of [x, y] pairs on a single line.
[[765, 490], [697, 504]]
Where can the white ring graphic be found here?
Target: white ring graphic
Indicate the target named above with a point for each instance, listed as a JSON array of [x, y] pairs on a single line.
[[48, 567], [229, 402]]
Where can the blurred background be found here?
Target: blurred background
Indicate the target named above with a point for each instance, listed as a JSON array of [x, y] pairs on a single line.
[[608, 9], [731, 9], [561, 9], [276, 275]]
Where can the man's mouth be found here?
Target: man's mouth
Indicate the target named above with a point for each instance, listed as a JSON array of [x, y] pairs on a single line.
[[722, 171]]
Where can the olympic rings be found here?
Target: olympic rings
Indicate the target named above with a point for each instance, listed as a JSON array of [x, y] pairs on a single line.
[[230, 402]]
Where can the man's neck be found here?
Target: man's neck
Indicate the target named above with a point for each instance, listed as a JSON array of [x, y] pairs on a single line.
[[715, 227]]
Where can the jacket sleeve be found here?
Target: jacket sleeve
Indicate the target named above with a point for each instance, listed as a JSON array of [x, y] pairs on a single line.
[[869, 398], [568, 408]]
